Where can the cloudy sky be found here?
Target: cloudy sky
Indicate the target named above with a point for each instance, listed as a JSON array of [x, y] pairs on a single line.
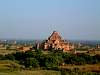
[[36, 19]]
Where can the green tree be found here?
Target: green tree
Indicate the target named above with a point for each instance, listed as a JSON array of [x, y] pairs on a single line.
[[29, 54], [10, 57], [53, 60], [31, 62]]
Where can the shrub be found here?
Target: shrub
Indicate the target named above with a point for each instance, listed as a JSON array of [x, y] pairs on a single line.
[[31, 63]]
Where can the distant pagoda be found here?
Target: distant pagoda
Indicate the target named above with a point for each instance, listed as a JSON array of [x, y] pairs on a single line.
[[56, 42]]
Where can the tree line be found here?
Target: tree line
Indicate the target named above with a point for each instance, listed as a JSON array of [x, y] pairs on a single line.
[[35, 59]]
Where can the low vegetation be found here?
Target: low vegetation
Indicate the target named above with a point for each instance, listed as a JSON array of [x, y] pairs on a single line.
[[5, 52], [53, 63]]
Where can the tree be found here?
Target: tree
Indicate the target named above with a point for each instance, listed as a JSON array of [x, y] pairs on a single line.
[[19, 55], [50, 62], [7, 47], [29, 54], [53, 60], [1, 57], [31, 63], [10, 57]]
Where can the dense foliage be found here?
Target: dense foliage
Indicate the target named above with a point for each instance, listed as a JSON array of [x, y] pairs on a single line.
[[51, 60]]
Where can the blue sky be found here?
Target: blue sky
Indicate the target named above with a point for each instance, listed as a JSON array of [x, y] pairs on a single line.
[[36, 19]]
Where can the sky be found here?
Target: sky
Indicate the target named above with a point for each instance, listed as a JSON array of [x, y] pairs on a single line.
[[37, 19]]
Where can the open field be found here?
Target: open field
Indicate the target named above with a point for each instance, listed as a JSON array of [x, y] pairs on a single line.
[[83, 68], [7, 65], [4, 52], [40, 72]]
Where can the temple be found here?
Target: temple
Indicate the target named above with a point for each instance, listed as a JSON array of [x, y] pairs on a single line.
[[56, 42]]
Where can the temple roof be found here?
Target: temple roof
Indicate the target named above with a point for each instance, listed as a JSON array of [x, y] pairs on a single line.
[[54, 36]]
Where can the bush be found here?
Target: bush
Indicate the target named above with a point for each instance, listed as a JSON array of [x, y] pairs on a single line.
[[1, 57], [10, 57], [31, 63]]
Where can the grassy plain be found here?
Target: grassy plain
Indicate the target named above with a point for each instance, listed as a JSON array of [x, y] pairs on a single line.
[[4, 51], [40, 72]]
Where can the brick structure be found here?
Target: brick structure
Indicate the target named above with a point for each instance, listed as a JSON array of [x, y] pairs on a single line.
[[24, 48], [55, 41]]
